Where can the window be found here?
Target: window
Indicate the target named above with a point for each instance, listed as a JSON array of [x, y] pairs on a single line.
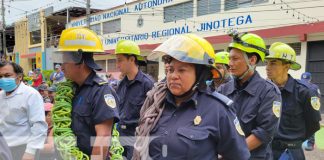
[[112, 65], [102, 64], [96, 28], [35, 37], [234, 4], [178, 11], [208, 7], [296, 47], [111, 26]]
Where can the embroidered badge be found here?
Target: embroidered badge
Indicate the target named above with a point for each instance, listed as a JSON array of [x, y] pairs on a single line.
[[276, 107], [238, 126], [315, 102], [110, 100]]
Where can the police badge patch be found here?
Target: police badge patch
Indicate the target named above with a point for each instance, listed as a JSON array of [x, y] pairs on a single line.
[[238, 127], [276, 106], [315, 102], [110, 100]]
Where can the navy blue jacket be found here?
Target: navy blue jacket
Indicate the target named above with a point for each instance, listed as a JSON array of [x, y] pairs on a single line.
[[94, 102], [298, 112], [200, 128], [132, 95], [257, 104]]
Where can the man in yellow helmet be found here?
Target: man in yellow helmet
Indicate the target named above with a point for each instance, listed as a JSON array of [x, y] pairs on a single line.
[[300, 110], [221, 63], [94, 106], [254, 97], [131, 90]]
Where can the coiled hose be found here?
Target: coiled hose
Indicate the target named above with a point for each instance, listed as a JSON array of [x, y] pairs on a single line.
[[64, 138]]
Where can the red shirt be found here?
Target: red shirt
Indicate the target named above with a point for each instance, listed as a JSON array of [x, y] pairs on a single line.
[[38, 80]]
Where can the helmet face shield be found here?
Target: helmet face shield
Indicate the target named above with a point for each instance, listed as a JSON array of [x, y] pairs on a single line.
[[183, 49], [68, 57]]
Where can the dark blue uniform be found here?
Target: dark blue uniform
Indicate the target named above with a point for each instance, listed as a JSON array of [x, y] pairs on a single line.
[[257, 104], [132, 95], [200, 128], [300, 115], [94, 102]]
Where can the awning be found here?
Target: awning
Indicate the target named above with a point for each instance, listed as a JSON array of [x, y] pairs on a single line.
[[29, 55]]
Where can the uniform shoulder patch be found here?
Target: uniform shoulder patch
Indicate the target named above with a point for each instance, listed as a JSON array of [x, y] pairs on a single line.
[[238, 126], [315, 102], [222, 98], [110, 100], [276, 108]]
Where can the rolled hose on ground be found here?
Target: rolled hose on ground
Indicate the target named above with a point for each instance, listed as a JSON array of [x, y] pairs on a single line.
[[64, 138]]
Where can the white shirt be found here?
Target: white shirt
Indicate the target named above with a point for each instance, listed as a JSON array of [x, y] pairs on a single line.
[[22, 118]]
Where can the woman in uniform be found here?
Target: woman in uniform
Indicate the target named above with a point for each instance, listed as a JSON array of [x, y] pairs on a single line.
[[180, 119]]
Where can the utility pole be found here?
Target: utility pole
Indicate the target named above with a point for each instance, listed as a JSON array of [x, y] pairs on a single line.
[[3, 30], [88, 13]]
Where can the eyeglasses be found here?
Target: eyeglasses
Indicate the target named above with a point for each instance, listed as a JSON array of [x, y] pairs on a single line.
[[237, 39]]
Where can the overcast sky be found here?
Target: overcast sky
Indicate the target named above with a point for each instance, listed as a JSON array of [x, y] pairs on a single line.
[[15, 9]]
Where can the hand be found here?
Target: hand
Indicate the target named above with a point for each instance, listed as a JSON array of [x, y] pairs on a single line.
[[28, 156]]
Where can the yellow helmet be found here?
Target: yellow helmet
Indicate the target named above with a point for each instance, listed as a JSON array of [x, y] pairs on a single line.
[[187, 48], [249, 43], [128, 47], [282, 51], [222, 58], [76, 39]]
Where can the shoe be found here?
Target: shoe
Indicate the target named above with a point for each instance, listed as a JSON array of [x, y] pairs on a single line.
[[308, 146]]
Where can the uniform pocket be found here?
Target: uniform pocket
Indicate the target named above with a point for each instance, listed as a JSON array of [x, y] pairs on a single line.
[[192, 134], [134, 108], [192, 142], [81, 117]]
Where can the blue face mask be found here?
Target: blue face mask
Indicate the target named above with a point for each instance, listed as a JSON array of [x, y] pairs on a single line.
[[8, 84]]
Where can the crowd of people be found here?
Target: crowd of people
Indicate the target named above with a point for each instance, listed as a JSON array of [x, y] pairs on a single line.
[[209, 106]]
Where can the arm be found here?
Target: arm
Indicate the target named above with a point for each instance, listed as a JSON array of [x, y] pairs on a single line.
[[38, 126], [253, 142], [59, 76], [51, 77], [266, 119], [231, 141], [311, 111], [49, 146], [104, 114], [100, 146]]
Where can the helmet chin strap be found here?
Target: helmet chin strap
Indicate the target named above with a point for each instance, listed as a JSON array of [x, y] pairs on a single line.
[[250, 67]]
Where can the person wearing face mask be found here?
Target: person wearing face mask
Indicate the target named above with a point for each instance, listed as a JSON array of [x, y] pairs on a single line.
[[257, 102], [183, 120], [22, 115]]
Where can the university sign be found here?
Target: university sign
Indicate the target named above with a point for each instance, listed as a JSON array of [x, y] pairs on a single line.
[[217, 24], [121, 11]]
